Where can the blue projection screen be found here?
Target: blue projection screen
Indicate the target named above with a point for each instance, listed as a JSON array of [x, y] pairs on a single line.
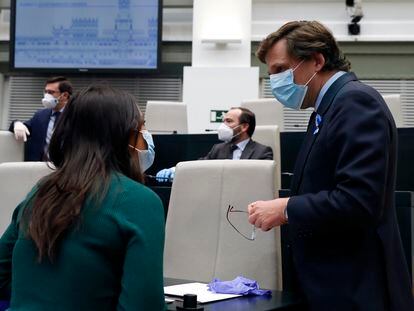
[[86, 35]]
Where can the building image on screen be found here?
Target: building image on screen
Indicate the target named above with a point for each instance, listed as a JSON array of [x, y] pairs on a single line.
[[88, 34]]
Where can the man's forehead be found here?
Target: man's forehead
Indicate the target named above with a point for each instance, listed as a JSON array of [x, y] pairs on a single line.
[[278, 54], [52, 86], [232, 113]]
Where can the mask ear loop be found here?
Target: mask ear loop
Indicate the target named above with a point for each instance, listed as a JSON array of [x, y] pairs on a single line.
[[298, 65], [234, 129], [58, 98], [311, 78], [136, 131]]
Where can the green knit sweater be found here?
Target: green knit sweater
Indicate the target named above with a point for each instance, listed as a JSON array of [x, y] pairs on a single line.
[[112, 260]]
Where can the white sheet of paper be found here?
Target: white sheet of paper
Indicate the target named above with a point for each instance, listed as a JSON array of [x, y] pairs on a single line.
[[199, 289]]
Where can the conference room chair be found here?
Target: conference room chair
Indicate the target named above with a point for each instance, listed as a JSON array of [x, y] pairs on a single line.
[[268, 111], [269, 135], [166, 117], [200, 242], [394, 104], [16, 180], [11, 150]]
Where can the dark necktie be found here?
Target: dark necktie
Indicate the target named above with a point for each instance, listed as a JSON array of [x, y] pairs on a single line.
[[232, 148], [311, 121], [56, 114], [50, 128]]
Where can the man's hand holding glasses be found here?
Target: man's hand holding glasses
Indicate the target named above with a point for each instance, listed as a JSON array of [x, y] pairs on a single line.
[[238, 220], [268, 214]]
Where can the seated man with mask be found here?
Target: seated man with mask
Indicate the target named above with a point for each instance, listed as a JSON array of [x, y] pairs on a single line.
[[236, 132]]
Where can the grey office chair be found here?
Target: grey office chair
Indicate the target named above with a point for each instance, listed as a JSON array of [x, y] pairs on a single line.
[[16, 180], [200, 242], [11, 150], [166, 117], [269, 135], [393, 102], [268, 111]]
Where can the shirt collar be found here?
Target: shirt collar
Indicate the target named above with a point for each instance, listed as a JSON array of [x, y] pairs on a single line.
[[326, 86], [241, 145], [61, 110]]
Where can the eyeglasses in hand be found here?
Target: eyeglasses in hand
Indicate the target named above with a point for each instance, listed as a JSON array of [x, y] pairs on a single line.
[[232, 216]]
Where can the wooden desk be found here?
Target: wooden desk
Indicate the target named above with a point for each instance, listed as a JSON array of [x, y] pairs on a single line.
[[278, 301]]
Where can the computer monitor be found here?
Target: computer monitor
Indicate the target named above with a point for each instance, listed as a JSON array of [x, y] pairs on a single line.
[[85, 35]]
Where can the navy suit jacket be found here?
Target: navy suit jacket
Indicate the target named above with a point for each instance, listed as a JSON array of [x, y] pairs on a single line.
[[37, 125], [252, 151], [343, 233]]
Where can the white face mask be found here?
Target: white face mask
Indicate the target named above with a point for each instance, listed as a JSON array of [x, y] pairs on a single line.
[[146, 157], [226, 133], [49, 101]]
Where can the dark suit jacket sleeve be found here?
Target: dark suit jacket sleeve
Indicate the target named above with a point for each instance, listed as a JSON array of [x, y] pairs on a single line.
[[257, 151], [28, 124], [212, 154], [267, 154], [359, 137]]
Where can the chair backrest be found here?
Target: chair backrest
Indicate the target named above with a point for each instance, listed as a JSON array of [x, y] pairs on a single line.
[[166, 117], [269, 135], [16, 180], [268, 111], [394, 104], [200, 243], [11, 150]]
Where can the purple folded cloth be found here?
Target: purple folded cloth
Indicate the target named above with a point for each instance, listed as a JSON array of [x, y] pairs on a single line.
[[238, 286]]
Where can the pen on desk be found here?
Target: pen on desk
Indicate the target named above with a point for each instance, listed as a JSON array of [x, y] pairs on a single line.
[[172, 298]]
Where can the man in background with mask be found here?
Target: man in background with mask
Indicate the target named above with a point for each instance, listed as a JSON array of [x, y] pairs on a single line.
[[236, 132], [343, 238], [37, 131]]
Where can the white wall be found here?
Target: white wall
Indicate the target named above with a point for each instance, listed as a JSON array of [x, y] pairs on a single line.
[[384, 20], [220, 76], [221, 33], [216, 88]]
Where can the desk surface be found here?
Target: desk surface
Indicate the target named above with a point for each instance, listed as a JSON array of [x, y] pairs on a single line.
[[278, 301]]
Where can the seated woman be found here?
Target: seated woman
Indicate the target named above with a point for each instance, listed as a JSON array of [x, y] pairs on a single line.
[[89, 236]]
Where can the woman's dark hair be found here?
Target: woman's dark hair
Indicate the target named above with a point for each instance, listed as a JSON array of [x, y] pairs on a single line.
[[304, 38], [89, 143]]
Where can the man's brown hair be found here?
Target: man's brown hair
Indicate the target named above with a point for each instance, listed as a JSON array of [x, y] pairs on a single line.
[[247, 116], [304, 38], [64, 84]]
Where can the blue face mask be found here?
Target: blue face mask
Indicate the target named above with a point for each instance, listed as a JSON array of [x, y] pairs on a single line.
[[146, 157], [285, 90]]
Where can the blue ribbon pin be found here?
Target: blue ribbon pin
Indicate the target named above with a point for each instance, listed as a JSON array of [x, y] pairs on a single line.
[[318, 123]]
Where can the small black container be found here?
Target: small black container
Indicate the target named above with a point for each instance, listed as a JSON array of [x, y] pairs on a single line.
[[190, 303]]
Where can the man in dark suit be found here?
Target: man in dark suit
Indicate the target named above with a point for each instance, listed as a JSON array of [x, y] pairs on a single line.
[[37, 131], [236, 131], [343, 235]]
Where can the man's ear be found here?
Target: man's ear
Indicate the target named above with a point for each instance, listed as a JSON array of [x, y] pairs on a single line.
[[319, 60], [66, 95], [244, 127]]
